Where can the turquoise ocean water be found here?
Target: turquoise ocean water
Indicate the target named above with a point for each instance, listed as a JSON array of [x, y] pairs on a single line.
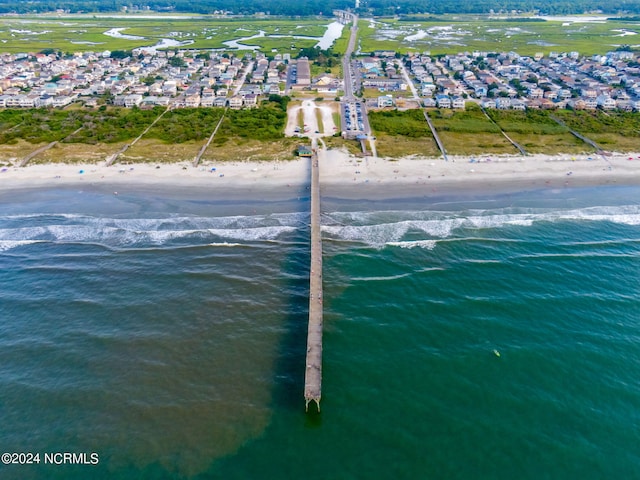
[[480, 337]]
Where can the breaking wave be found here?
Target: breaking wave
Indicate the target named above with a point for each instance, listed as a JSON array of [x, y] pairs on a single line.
[[140, 232], [400, 229]]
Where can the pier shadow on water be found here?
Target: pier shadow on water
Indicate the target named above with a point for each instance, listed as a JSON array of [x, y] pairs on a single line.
[[289, 366]]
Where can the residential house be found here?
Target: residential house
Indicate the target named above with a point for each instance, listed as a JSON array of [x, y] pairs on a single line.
[[192, 101], [503, 103], [605, 102], [132, 100], [488, 103], [385, 101], [250, 100], [235, 102], [429, 102], [443, 101], [220, 102], [457, 102]]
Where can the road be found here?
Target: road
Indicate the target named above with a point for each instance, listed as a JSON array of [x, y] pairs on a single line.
[[292, 72], [353, 112], [346, 61]]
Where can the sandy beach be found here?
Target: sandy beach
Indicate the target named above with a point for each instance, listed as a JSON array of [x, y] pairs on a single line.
[[342, 175]]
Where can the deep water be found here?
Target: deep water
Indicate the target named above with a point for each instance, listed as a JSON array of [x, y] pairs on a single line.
[[485, 337]]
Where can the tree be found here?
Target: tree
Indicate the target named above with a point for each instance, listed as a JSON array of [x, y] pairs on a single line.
[[176, 62], [120, 54], [149, 80]]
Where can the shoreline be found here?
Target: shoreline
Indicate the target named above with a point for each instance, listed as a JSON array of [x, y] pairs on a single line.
[[342, 176]]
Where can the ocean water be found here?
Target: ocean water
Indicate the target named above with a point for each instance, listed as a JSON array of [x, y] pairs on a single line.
[[479, 337]]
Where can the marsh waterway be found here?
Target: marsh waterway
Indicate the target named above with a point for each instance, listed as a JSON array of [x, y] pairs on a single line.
[[333, 32]]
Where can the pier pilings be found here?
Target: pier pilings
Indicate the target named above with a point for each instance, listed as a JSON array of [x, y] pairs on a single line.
[[313, 364]]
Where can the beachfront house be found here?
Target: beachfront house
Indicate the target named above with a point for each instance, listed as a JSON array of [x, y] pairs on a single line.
[[457, 102], [443, 101], [192, 101], [503, 103], [132, 100], [428, 102], [250, 100], [235, 102], [605, 102], [517, 104], [488, 103]]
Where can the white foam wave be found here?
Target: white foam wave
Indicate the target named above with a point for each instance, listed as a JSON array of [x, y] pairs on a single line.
[[382, 278], [9, 244], [118, 236], [167, 223], [260, 233], [428, 244], [371, 234], [390, 227]]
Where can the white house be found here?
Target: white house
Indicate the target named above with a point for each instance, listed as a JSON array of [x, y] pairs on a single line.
[[443, 101], [605, 102], [132, 100], [385, 101], [457, 102]]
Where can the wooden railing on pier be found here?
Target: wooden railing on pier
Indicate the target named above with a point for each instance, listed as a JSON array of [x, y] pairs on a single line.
[[313, 370]]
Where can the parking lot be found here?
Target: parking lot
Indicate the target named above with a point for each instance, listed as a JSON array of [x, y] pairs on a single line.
[[354, 118]]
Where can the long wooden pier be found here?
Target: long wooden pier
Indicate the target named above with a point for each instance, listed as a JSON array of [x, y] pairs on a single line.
[[313, 371]]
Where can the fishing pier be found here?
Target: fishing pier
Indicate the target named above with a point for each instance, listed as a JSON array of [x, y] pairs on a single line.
[[313, 364]]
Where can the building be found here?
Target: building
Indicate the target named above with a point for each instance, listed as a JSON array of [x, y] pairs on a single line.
[[303, 75], [304, 151], [235, 102], [385, 101], [443, 101]]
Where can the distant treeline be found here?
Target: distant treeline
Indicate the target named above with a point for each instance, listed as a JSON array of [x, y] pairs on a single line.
[[543, 7], [325, 7], [238, 7]]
